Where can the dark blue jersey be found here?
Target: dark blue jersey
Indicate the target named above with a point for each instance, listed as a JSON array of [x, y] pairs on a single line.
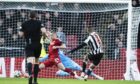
[[31, 29]]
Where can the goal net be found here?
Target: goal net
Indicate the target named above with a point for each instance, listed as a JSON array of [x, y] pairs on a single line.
[[135, 55], [110, 20]]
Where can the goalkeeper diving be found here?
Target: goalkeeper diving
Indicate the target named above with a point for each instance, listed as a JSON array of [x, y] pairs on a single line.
[[54, 58]]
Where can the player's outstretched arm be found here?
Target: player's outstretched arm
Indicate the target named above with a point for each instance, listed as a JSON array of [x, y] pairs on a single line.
[[77, 48], [62, 46], [46, 33], [21, 34]]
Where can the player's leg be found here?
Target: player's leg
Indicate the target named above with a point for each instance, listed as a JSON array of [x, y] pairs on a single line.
[[37, 52], [85, 61], [95, 60], [91, 67], [61, 66], [36, 70], [47, 63], [68, 70], [30, 62]]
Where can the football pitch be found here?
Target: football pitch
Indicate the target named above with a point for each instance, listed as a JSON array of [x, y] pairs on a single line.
[[64, 81]]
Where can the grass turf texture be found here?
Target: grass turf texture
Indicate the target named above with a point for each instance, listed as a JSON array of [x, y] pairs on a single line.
[[64, 81]]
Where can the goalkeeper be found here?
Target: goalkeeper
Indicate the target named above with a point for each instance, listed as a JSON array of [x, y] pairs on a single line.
[[95, 53]]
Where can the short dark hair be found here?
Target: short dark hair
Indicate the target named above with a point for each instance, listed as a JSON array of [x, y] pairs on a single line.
[[33, 14]]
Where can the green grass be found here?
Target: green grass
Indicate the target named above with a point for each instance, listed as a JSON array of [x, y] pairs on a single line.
[[64, 81]]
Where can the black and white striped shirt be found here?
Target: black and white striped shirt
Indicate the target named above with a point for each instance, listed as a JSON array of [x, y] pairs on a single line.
[[94, 42]]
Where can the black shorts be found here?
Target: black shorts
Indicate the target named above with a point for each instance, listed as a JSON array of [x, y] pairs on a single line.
[[33, 50], [95, 58]]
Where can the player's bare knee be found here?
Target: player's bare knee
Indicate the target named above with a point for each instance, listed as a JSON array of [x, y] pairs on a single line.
[[41, 66], [31, 60], [92, 66], [85, 59], [61, 66], [36, 60]]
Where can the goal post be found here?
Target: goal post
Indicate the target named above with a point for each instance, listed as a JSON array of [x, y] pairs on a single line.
[[129, 49], [97, 13]]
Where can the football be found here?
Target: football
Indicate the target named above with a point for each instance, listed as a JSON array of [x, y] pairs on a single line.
[[17, 74]]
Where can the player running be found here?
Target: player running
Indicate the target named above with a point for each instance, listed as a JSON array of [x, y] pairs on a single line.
[[54, 58], [95, 53]]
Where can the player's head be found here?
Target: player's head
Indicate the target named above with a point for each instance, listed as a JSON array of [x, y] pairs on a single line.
[[59, 29], [54, 35], [89, 29], [33, 15]]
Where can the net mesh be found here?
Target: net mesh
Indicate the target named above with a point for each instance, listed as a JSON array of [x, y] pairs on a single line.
[[109, 20], [135, 36], [135, 24]]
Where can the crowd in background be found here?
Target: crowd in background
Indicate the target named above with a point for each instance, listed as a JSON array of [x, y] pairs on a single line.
[[136, 3], [111, 25]]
